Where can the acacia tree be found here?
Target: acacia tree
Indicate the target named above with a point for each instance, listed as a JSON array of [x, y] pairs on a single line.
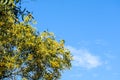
[[26, 54]]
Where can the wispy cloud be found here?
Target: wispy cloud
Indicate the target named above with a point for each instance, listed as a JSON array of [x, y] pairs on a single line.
[[84, 58], [100, 42]]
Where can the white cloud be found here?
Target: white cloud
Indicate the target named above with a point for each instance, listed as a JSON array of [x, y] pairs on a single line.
[[100, 42], [84, 58]]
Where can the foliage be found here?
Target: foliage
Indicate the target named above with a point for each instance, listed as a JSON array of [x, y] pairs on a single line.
[[26, 54]]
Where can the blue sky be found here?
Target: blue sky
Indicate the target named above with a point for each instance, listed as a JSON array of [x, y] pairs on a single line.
[[91, 29]]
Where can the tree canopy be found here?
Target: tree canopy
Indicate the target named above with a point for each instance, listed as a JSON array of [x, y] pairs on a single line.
[[24, 53]]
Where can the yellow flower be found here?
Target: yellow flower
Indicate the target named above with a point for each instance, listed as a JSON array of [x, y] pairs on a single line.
[[24, 79], [30, 57], [9, 65], [54, 64]]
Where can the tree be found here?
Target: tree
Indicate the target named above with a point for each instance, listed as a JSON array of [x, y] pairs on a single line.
[[24, 53]]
